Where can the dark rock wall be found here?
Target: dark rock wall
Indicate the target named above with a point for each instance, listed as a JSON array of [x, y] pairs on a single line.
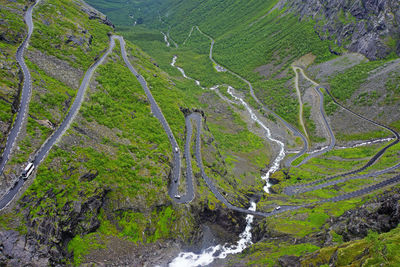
[[369, 27], [381, 215]]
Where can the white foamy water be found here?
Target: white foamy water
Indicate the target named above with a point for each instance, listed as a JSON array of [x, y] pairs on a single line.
[[183, 72], [180, 69], [166, 39], [207, 256], [281, 155], [367, 143]]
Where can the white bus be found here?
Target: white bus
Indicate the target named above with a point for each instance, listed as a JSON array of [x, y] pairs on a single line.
[[28, 170]]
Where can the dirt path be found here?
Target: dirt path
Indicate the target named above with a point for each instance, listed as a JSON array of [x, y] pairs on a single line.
[[296, 85]]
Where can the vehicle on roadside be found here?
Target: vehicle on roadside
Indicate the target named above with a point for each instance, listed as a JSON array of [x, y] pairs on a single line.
[[278, 208], [177, 196], [176, 149], [28, 170]]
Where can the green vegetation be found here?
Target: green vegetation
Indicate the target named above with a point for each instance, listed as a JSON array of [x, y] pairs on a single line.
[[241, 140], [257, 253], [62, 30], [344, 85], [393, 88], [131, 158], [12, 28], [116, 147], [310, 125], [242, 55], [375, 249], [81, 246], [335, 162]]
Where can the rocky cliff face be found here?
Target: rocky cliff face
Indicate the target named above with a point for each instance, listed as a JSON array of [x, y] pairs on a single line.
[[370, 27], [49, 233], [381, 214]]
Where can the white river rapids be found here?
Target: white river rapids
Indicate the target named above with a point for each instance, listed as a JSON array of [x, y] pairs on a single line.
[[208, 255]]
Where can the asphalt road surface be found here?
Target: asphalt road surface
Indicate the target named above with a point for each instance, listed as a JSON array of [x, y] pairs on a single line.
[[25, 93], [41, 154], [291, 190], [173, 190], [328, 128], [253, 95]]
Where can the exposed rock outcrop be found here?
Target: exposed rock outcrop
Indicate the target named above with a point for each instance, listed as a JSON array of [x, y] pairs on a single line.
[[369, 27], [381, 214], [17, 250], [50, 228], [94, 13]]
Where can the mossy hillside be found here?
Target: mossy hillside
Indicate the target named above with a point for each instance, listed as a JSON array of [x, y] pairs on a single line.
[[345, 84], [131, 158], [250, 147], [59, 23], [13, 31], [375, 249], [193, 57], [273, 40], [127, 12], [332, 162], [335, 162], [255, 256], [309, 226], [242, 47], [51, 98], [296, 233], [49, 103], [301, 232], [393, 88]]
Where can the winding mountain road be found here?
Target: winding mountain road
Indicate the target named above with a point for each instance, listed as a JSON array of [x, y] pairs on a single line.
[[292, 190], [176, 169], [197, 118], [52, 140], [296, 85], [295, 132], [328, 128], [357, 193], [25, 92]]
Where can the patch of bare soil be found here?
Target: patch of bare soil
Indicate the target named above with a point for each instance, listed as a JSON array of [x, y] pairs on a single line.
[[345, 123], [119, 252], [305, 61], [270, 70], [324, 71], [56, 68]]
